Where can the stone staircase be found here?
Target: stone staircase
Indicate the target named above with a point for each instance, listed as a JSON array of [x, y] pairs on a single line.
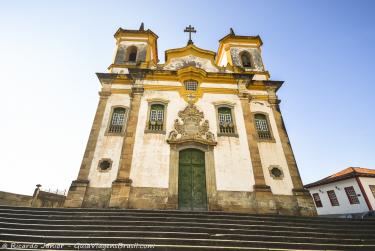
[[25, 228]]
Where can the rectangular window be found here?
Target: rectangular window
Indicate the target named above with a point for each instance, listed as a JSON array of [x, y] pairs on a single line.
[[372, 188], [118, 118], [191, 85], [318, 202], [352, 196], [226, 125], [156, 120], [333, 198], [156, 115], [262, 126], [117, 121]]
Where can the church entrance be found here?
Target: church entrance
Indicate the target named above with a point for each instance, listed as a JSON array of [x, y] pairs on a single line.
[[192, 194]]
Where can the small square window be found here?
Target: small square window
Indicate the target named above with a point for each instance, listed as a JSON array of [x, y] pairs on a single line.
[[191, 85]]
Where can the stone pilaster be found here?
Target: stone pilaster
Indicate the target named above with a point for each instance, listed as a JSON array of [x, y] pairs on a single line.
[[78, 187], [121, 186], [304, 200], [262, 193]]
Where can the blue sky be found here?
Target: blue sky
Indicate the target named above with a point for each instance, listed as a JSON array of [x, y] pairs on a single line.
[[50, 51]]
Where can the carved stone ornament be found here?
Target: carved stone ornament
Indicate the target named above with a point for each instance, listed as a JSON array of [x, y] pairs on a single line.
[[192, 129]]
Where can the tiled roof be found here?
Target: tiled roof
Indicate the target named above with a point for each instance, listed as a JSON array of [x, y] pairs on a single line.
[[347, 173]]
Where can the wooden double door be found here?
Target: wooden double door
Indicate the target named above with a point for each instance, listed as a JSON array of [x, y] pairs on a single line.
[[192, 193]]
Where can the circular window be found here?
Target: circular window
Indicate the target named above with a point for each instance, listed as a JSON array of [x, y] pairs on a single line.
[[276, 172], [104, 165]]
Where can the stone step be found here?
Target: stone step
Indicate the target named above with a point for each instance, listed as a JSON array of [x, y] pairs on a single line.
[[184, 223], [281, 231], [186, 235], [282, 243], [156, 247], [113, 216], [175, 230], [124, 220], [107, 212]]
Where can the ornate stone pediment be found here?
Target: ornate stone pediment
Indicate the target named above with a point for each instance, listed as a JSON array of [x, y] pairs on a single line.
[[191, 129], [190, 55]]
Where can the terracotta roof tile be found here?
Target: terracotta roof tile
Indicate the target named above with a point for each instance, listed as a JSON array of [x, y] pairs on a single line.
[[347, 173]]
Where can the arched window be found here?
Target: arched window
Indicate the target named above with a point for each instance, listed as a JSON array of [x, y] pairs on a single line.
[[156, 121], [191, 85], [132, 54], [117, 120], [262, 126], [226, 125], [246, 59]]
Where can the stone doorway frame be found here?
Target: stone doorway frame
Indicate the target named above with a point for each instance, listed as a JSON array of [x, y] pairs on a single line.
[[209, 171]]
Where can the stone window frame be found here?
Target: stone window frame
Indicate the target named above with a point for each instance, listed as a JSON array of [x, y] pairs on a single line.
[[252, 65], [272, 138], [106, 170], [157, 101], [270, 168], [231, 106], [211, 186], [107, 132]]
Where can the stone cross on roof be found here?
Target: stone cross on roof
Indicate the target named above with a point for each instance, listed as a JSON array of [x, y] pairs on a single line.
[[190, 29]]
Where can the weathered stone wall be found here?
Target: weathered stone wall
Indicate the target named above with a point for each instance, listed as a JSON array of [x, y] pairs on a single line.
[[148, 198], [46, 199], [233, 201], [13, 199], [120, 57], [97, 197], [255, 57], [39, 199]]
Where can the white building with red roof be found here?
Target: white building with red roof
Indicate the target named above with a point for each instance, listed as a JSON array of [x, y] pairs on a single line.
[[349, 191]]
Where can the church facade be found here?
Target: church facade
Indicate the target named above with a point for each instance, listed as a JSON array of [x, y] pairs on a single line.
[[203, 131]]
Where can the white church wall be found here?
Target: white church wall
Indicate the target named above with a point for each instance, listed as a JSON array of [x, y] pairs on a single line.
[[107, 146], [233, 167], [272, 154], [164, 83], [344, 205], [223, 59], [224, 86], [366, 182], [150, 162]]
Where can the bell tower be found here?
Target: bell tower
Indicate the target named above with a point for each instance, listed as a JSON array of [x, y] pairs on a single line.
[[242, 54], [134, 49]]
